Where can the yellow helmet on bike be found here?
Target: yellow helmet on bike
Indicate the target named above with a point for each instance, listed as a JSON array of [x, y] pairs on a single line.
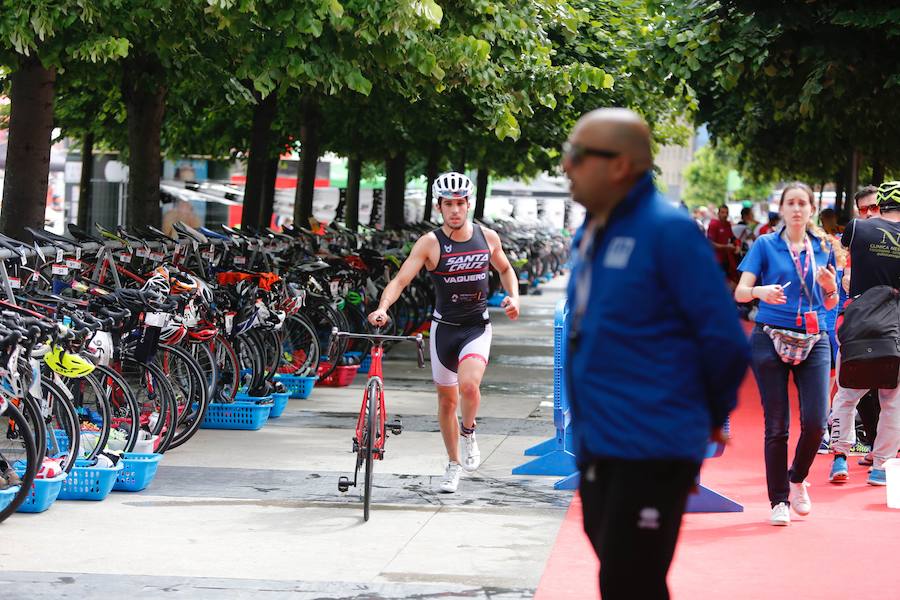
[[66, 364]]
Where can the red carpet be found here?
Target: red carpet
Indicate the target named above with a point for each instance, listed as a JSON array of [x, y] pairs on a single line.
[[848, 547]]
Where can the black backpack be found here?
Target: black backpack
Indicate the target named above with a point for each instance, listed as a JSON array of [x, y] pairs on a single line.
[[870, 340]]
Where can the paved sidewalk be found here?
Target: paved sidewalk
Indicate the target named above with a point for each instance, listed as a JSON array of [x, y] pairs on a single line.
[[258, 515]]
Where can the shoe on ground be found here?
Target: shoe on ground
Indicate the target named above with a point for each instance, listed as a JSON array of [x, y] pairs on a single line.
[[824, 446], [781, 515], [839, 471], [800, 501], [867, 461], [450, 480], [12, 478], [860, 448], [471, 455], [877, 477]]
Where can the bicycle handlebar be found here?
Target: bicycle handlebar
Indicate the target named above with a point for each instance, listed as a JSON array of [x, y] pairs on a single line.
[[380, 339]]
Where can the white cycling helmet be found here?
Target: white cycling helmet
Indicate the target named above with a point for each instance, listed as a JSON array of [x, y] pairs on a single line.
[[452, 185]]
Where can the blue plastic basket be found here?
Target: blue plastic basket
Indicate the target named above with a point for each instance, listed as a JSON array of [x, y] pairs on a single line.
[[7, 496], [62, 440], [297, 386], [280, 400], [139, 471], [44, 493], [87, 482], [365, 365], [247, 416]]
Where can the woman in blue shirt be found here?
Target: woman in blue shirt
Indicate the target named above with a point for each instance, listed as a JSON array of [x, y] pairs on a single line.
[[791, 271]]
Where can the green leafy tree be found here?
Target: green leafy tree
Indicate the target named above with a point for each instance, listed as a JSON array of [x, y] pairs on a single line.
[[38, 39]]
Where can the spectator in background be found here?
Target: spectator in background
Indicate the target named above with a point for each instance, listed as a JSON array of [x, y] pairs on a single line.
[[769, 226], [744, 230], [182, 211], [828, 219], [656, 354], [721, 237], [701, 216]]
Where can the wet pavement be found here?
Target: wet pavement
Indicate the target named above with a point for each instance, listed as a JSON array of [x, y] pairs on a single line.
[[258, 514]]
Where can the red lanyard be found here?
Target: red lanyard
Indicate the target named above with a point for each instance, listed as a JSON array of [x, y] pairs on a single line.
[[802, 273]]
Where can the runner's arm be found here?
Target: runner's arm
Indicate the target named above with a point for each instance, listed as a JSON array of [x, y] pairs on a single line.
[[408, 271]]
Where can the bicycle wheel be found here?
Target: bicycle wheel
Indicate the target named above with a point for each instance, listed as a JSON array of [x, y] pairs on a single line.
[[124, 410], [92, 407], [190, 387], [229, 369], [155, 400], [300, 347], [370, 435], [17, 448], [31, 410], [207, 362], [63, 432]]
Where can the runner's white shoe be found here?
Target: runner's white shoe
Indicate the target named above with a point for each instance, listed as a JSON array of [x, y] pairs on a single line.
[[471, 455], [781, 515], [450, 480], [800, 501]]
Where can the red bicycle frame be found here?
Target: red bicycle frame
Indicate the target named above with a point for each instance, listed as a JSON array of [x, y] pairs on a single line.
[[375, 372]]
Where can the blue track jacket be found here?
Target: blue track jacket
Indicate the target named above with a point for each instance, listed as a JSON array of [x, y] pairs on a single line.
[[660, 352]]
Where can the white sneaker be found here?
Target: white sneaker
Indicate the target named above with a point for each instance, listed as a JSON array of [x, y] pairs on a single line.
[[450, 481], [781, 515], [471, 455], [800, 501]]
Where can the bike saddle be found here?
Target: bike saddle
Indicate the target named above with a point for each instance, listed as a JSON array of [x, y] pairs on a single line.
[[81, 235], [14, 246], [209, 233], [131, 237], [57, 241], [190, 232], [153, 233]]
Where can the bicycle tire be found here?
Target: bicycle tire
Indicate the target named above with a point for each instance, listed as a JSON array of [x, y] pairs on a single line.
[[189, 422], [15, 431], [67, 419], [204, 357], [228, 367], [301, 344], [31, 410], [124, 409], [79, 385], [370, 435]]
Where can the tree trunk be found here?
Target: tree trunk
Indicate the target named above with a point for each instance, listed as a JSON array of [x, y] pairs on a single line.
[[145, 101], [461, 165], [852, 183], [354, 175], [395, 191], [877, 171], [28, 152], [85, 188], [839, 193], [259, 162], [267, 205], [306, 170], [481, 186], [431, 173]]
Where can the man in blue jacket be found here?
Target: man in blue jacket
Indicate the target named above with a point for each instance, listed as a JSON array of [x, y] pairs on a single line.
[[656, 353]]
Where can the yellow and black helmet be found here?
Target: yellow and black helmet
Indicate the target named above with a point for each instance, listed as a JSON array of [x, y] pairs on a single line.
[[888, 195]]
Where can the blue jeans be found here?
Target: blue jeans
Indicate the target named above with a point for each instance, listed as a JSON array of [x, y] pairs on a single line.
[[811, 378]]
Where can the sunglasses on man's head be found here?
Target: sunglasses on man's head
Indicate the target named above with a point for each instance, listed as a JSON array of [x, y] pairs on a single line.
[[575, 153], [872, 208]]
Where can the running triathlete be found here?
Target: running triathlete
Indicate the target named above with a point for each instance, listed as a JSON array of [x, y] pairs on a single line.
[[458, 256]]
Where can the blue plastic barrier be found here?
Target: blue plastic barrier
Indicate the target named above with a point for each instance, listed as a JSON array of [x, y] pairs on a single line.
[[555, 454], [706, 500]]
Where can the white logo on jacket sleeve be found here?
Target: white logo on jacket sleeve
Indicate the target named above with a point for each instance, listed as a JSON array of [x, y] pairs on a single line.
[[618, 253]]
